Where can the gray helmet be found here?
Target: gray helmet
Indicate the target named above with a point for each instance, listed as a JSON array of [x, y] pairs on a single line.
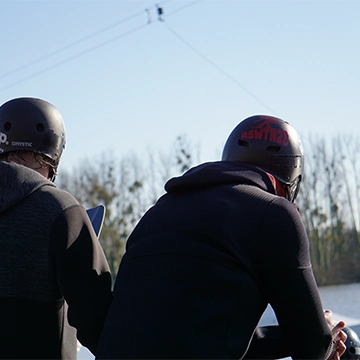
[[34, 125], [352, 344], [271, 144]]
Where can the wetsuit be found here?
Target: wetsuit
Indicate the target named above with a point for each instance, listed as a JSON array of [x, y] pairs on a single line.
[[202, 265], [49, 254]]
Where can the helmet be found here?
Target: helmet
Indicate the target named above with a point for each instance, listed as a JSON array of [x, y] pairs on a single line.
[[352, 344], [34, 125], [271, 144]]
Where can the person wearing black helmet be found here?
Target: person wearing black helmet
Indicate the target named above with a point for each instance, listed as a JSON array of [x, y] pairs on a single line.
[[222, 243], [55, 283]]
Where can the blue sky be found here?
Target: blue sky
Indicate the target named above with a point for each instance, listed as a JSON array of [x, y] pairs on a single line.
[[125, 81]]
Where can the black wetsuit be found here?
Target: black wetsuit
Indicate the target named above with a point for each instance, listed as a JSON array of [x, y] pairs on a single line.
[[49, 254], [202, 265]]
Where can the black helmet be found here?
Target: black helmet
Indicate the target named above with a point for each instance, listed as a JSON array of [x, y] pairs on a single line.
[[352, 344], [32, 124], [271, 144]]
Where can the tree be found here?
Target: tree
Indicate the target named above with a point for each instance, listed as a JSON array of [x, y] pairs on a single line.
[[127, 187], [329, 199], [326, 201], [93, 184]]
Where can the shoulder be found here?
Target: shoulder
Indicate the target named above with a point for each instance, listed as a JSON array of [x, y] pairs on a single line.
[[58, 196], [51, 187], [284, 235], [281, 209], [282, 218]]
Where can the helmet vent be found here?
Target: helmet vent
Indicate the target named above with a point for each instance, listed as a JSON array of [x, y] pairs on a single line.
[[243, 143], [273, 148], [40, 127], [7, 126]]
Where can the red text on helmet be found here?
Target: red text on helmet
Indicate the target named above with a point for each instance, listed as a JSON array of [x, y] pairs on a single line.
[[267, 133]]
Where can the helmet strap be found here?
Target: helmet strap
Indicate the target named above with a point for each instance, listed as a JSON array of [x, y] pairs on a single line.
[[292, 190]]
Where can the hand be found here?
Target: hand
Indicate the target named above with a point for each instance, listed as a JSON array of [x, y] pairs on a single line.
[[338, 336]]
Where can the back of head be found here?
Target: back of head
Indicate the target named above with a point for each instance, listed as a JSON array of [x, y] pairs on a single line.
[[271, 144], [31, 124]]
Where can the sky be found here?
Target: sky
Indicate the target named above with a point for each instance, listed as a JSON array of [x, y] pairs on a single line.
[[127, 79]]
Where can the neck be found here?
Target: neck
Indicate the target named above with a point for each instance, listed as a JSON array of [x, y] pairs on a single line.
[[279, 189], [28, 159]]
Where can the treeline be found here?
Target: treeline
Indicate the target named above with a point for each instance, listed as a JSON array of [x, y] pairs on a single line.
[[127, 187], [329, 198], [329, 204]]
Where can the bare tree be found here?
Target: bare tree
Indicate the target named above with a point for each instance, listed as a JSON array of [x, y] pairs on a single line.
[[327, 207], [329, 198], [116, 185], [127, 187]]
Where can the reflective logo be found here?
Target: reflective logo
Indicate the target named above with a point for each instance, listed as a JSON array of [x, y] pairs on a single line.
[[3, 138], [21, 143]]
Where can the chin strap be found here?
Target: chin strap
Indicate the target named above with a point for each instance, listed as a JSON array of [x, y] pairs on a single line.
[[292, 190]]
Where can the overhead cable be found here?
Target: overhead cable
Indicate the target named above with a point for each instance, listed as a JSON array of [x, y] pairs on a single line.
[[77, 42], [218, 68], [34, 74]]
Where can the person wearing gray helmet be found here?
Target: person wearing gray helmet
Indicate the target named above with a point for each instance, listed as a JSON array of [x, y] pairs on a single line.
[[55, 283], [222, 243], [352, 344]]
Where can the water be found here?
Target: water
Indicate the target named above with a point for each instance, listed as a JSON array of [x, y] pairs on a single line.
[[342, 300]]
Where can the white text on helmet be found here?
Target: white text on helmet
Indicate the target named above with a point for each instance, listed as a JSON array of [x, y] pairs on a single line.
[[21, 143], [3, 138]]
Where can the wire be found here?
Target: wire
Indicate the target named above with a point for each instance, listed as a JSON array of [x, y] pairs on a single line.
[[90, 49], [217, 67], [185, 42], [77, 42], [72, 57], [44, 57], [183, 7]]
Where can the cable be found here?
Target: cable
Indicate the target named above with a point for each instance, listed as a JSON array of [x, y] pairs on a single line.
[[191, 47], [90, 49], [183, 7], [217, 67], [39, 59], [72, 57], [77, 42]]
